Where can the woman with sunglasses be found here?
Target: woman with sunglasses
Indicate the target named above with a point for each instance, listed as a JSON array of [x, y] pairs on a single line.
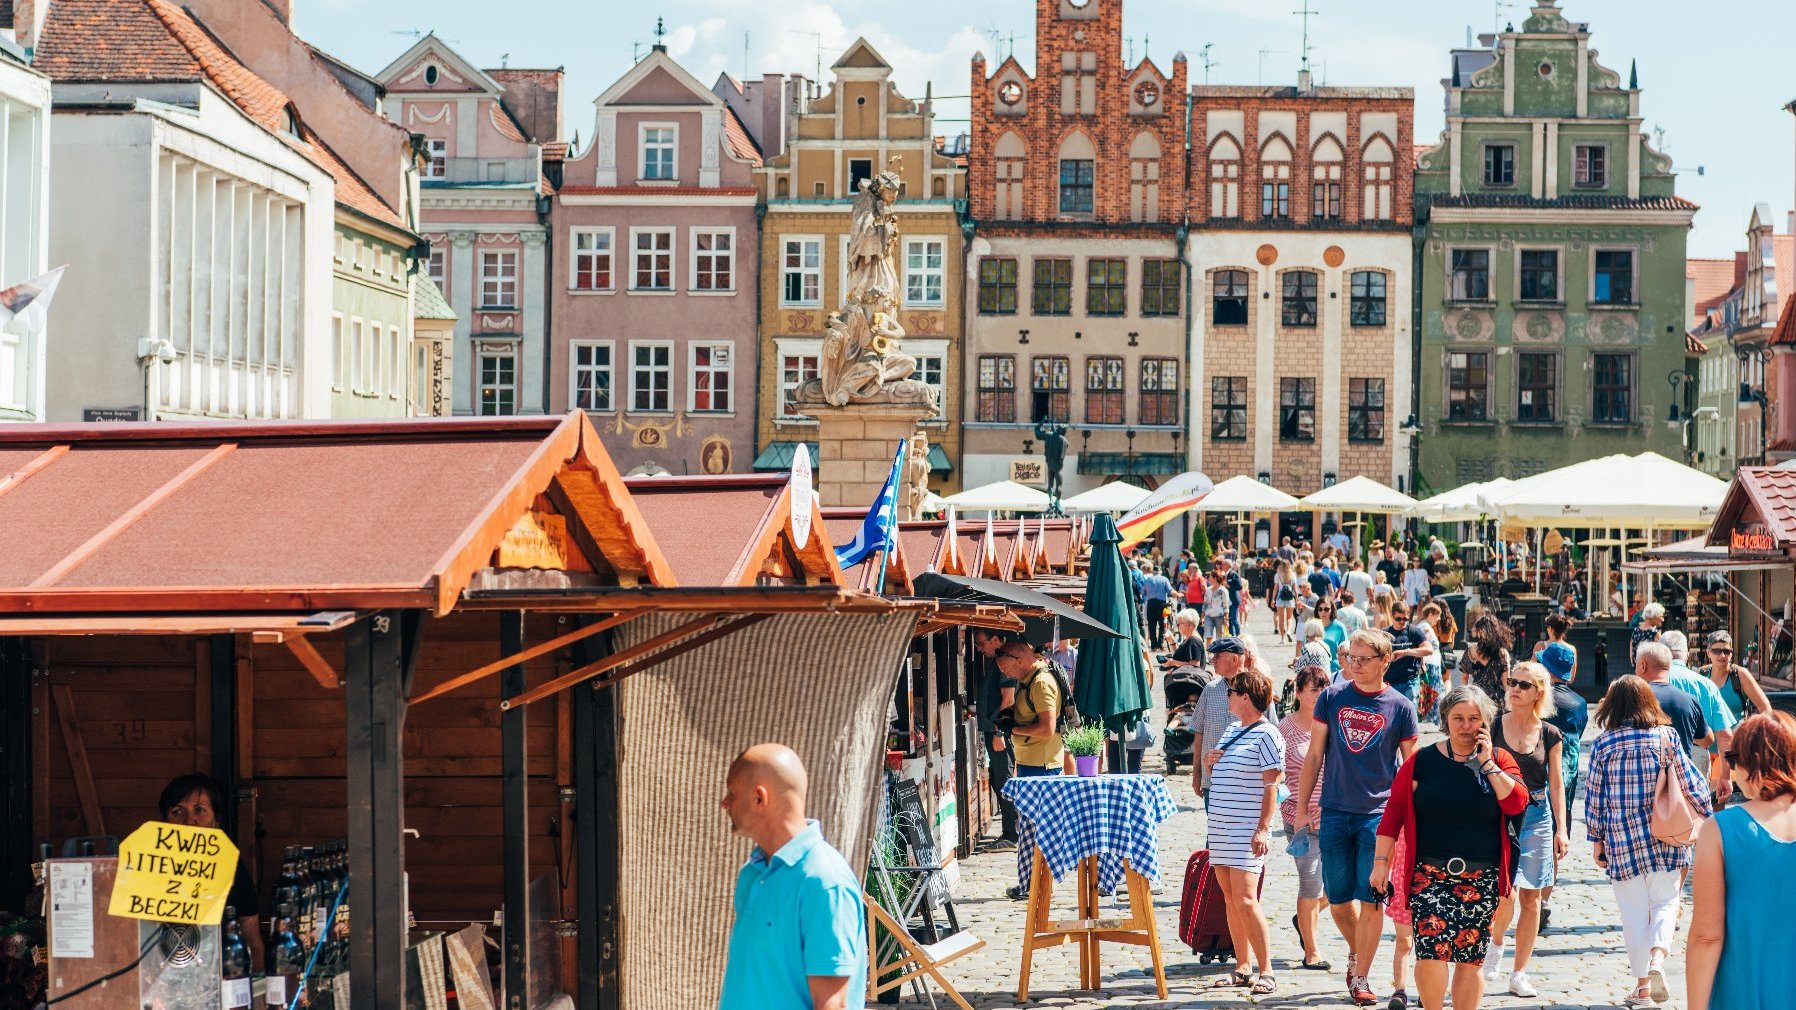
[[1245, 767], [1449, 804], [1334, 633], [1739, 688], [1539, 751]]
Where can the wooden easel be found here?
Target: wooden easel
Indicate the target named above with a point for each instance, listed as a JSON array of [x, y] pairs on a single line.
[[1088, 931]]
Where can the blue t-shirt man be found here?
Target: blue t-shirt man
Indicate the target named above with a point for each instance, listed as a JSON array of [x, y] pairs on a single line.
[[1366, 736], [798, 914], [1707, 696], [1156, 587]]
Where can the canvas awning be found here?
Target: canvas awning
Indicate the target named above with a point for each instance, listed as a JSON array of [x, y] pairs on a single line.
[[1462, 504], [1000, 496], [777, 458], [1615, 491], [1139, 464], [1116, 496]]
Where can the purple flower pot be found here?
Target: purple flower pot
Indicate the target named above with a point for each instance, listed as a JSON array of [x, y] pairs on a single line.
[[1086, 765]]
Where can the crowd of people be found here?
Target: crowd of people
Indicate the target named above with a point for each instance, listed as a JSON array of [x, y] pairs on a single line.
[[1456, 838]]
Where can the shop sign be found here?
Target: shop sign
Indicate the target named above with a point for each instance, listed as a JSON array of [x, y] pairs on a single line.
[[174, 873], [1751, 538], [1029, 470], [538, 540], [801, 496], [111, 414]]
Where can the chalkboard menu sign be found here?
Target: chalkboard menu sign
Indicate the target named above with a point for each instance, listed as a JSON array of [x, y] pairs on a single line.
[[913, 826]]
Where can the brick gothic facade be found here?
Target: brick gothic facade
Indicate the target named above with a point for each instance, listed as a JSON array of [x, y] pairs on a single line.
[[1300, 214], [1075, 273]]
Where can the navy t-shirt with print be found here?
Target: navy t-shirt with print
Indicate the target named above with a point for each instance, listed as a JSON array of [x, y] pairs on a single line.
[[1364, 732], [1686, 715]]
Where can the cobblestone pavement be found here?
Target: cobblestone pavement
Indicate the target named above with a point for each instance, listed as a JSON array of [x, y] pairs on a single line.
[[1578, 963]]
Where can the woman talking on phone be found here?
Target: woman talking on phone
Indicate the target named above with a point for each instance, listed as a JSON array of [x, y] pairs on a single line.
[[1448, 804]]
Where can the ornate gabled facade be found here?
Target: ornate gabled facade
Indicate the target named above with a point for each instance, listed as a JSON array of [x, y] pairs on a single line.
[[1300, 211], [1552, 264], [654, 275], [1077, 263], [484, 208], [857, 128]]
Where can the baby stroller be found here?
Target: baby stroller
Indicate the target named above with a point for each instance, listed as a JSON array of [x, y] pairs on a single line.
[[1183, 686]]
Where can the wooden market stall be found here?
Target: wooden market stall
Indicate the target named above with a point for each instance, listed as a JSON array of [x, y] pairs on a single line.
[[369, 630]]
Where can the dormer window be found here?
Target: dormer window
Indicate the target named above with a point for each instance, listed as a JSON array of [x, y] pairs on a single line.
[[658, 146], [290, 122], [430, 75]]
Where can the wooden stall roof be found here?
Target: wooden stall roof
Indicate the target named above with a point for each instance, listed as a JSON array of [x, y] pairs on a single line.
[[731, 529], [927, 547], [301, 516], [840, 526], [1759, 494], [978, 552]]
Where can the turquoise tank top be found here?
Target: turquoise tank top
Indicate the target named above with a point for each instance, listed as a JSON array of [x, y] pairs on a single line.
[[1735, 703], [1758, 955]]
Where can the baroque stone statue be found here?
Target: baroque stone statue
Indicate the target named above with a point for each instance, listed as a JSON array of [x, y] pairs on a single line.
[[916, 475], [862, 360]]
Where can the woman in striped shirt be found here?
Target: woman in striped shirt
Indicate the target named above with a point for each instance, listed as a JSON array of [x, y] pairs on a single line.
[[1244, 771], [1637, 743]]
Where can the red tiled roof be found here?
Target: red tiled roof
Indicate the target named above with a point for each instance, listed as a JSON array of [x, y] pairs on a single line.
[[502, 122], [1783, 254], [352, 192], [1714, 279], [555, 150], [1785, 334], [736, 136], [658, 191], [1693, 345], [1768, 491]]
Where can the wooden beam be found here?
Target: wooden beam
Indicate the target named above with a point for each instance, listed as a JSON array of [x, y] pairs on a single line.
[[379, 665], [540, 649], [734, 625], [314, 663], [597, 846], [515, 820], [130, 516], [77, 751], [220, 689], [16, 834], [41, 460], [611, 662]]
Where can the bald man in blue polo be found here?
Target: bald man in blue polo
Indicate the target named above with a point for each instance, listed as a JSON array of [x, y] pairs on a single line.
[[800, 937]]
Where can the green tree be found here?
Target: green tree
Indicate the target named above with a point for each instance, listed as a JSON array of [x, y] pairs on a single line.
[[1200, 544]]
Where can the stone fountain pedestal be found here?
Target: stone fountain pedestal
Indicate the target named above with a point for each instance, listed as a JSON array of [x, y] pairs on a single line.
[[855, 444]]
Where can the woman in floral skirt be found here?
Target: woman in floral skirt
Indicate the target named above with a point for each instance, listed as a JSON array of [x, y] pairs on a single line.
[[1449, 804]]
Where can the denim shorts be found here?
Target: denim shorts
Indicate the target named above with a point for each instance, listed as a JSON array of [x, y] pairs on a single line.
[[1348, 843]]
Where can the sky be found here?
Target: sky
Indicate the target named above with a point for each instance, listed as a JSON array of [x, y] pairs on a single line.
[[1714, 85]]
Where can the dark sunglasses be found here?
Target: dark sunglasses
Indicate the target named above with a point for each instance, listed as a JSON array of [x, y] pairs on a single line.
[[1721, 651], [1522, 685], [1728, 756]]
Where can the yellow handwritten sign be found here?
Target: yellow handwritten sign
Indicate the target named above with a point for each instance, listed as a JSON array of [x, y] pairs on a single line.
[[171, 873]]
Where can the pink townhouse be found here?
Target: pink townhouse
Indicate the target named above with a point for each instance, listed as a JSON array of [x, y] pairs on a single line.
[[653, 276]]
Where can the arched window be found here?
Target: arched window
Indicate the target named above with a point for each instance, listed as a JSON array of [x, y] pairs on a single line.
[[1377, 159], [1009, 155], [1325, 200], [1225, 179], [1275, 179], [1078, 162], [1144, 178]]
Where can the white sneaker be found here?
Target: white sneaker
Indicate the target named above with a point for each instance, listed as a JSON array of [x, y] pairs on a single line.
[[1521, 985], [1493, 962]]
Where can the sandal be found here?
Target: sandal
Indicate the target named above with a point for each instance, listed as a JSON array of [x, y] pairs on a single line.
[[1235, 980], [1265, 985], [1316, 966]]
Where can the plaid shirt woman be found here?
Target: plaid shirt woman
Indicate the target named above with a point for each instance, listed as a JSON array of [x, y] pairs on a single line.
[[1618, 799]]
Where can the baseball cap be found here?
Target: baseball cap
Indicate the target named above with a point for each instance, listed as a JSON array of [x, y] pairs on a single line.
[[1228, 643], [1559, 659]]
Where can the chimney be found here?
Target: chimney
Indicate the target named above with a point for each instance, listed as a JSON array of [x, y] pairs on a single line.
[[1305, 84]]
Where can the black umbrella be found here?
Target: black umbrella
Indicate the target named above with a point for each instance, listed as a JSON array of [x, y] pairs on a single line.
[[1042, 614]]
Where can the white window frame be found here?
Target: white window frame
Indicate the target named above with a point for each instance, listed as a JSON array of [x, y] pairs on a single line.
[[483, 351], [574, 368], [791, 347], [395, 364], [340, 345], [500, 254], [636, 345], [609, 234], [673, 279], [728, 371], [437, 267], [785, 242], [940, 273], [1515, 265], [436, 149], [937, 348], [1490, 274], [642, 155], [692, 271], [357, 354]]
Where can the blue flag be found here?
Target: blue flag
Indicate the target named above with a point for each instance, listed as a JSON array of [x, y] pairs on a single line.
[[881, 525]]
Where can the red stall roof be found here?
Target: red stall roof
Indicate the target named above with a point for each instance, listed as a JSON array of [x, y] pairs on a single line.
[[732, 529], [288, 516]]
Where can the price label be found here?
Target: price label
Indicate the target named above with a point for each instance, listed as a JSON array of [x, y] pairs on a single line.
[[174, 873]]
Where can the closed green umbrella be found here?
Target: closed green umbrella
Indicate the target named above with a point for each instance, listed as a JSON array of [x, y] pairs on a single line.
[[1111, 684]]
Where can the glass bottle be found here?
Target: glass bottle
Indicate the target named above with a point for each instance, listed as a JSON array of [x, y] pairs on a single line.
[[237, 966], [286, 958]]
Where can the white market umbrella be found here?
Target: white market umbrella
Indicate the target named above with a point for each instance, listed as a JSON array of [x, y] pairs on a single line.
[[1116, 496], [1627, 492], [1244, 494], [933, 502], [1459, 505], [1358, 494], [1000, 496]]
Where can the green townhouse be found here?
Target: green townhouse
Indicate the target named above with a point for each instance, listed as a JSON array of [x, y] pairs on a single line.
[[1550, 247], [372, 281]]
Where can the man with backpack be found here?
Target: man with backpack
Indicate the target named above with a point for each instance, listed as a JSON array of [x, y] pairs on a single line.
[[1042, 709]]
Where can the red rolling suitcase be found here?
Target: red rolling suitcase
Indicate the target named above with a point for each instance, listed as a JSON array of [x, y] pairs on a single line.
[[1203, 919]]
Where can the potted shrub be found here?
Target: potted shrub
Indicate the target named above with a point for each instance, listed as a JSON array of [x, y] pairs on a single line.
[[1085, 744]]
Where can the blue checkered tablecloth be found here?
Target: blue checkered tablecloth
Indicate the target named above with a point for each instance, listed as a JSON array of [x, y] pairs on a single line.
[[1114, 817]]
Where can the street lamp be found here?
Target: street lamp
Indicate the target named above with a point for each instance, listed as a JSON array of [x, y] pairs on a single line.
[[1676, 380]]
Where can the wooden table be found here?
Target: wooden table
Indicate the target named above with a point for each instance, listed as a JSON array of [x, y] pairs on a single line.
[[1088, 931]]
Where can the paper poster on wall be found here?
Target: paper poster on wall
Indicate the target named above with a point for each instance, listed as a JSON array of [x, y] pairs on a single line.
[[174, 873], [71, 909]]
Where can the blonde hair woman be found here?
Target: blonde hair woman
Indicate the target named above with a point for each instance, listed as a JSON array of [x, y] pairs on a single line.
[[1284, 600], [1539, 751]]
